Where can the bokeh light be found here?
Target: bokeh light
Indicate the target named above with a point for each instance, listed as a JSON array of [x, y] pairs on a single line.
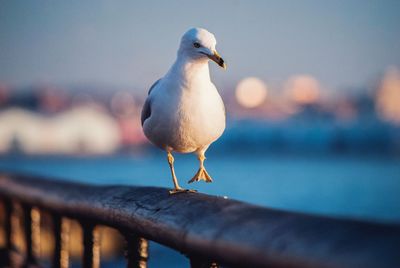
[[388, 96], [303, 89], [251, 92], [123, 104]]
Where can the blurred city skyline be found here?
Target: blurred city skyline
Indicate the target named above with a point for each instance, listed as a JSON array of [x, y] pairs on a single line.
[[341, 44], [47, 119]]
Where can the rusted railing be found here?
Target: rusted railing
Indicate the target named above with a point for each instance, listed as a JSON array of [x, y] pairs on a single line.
[[209, 230]]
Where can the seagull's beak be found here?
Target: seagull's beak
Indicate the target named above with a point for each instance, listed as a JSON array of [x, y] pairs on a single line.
[[217, 58]]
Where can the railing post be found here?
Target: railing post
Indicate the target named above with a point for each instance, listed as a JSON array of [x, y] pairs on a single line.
[[8, 231], [61, 236], [197, 262], [136, 251], [11, 229], [32, 235], [91, 246]]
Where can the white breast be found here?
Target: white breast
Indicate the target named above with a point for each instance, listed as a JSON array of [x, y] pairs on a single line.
[[185, 117]]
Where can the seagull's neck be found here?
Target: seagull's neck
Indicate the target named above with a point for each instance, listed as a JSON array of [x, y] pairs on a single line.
[[190, 70]]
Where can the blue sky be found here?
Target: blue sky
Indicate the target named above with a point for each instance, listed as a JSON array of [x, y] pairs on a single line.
[[132, 43]]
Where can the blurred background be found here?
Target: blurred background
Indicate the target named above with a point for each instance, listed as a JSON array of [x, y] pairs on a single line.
[[312, 93]]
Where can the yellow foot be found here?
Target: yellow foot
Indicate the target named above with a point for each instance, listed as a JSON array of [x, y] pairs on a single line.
[[181, 190], [201, 175]]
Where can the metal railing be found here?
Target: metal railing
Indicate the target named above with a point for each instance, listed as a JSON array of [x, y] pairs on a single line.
[[209, 230]]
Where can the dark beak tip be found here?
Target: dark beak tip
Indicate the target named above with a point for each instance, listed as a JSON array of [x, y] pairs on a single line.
[[221, 63]]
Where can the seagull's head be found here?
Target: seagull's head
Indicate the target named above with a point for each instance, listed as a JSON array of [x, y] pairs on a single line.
[[199, 44]]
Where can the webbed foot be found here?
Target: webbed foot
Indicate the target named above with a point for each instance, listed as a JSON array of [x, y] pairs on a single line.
[[201, 174]]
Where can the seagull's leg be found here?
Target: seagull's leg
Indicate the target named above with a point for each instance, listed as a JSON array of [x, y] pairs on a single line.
[[177, 188], [202, 173], [171, 166]]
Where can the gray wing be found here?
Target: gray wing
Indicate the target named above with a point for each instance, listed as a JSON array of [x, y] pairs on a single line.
[[146, 111]]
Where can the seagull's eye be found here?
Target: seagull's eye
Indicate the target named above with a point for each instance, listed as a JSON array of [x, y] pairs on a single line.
[[196, 45]]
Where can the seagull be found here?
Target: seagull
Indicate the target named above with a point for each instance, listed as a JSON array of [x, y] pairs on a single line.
[[183, 111]]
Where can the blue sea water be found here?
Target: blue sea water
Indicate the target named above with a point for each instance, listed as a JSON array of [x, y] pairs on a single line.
[[351, 186]]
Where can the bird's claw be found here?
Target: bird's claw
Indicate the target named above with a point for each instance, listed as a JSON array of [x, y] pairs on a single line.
[[181, 190]]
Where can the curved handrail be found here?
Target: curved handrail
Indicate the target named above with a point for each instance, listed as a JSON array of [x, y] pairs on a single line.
[[227, 231]]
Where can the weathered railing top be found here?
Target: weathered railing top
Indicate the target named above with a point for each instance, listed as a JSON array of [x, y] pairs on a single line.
[[228, 231]]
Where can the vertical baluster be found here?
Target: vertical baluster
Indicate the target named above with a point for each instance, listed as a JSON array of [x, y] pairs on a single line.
[[61, 236], [35, 216], [91, 246], [8, 230], [12, 229], [32, 234], [136, 251], [197, 262]]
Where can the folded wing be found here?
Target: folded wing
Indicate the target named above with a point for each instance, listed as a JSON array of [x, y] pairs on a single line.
[[146, 111]]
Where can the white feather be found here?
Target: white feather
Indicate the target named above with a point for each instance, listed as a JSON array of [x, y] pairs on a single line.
[[187, 112]]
